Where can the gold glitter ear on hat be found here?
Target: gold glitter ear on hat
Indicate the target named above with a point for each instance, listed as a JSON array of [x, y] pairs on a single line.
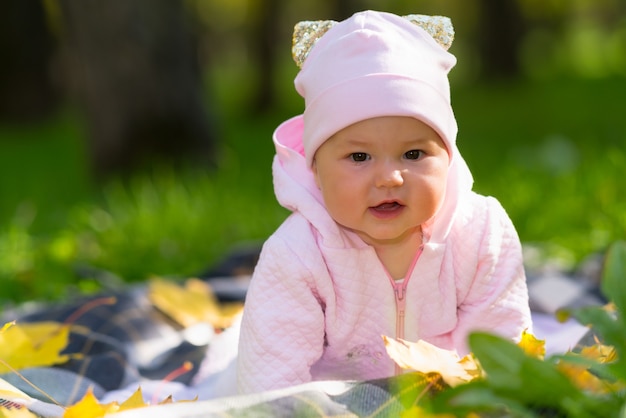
[[307, 32], [439, 27]]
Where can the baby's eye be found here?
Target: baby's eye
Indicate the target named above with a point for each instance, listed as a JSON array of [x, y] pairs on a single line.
[[359, 156], [414, 154]]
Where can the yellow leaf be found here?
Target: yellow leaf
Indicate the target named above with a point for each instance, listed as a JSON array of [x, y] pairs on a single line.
[[135, 401], [532, 346], [424, 357], [192, 304], [33, 345], [417, 412], [7, 326], [88, 407], [599, 352], [583, 379], [610, 307]]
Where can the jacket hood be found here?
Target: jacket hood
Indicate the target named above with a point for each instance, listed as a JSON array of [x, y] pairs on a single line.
[[296, 190]]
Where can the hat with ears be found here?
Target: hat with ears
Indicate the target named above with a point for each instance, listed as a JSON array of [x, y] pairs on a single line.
[[373, 64]]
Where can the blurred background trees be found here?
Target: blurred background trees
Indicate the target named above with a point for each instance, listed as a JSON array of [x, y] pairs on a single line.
[[92, 92], [27, 50], [136, 68], [135, 72]]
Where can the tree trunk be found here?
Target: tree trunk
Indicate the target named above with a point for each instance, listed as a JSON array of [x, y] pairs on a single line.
[[139, 82], [26, 50], [265, 33], [501, 30], [345, 8]]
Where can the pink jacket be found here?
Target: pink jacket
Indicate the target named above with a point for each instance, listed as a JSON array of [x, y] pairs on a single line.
[[320, 299]]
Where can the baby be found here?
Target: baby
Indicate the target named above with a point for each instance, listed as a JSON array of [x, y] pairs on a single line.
[[386, 236]]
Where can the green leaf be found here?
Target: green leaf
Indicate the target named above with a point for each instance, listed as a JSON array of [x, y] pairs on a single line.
[[476, 397], [513, 374], [601, 321], [613, 276]]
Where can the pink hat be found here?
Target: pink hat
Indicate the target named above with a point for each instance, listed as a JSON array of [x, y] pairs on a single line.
[[374, 64]]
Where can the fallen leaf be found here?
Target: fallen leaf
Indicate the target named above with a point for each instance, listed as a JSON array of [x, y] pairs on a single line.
[[134, 401], [599, 352], [7, 326], [192, 304], [532, 346], [33, 345], [88, 407], [417, 412], [424, 357], [581, 377]]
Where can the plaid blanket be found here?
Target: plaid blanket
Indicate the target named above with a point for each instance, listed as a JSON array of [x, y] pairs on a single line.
[[131, 344]]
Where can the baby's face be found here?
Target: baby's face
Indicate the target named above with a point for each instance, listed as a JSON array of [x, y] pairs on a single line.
[[383, 177]]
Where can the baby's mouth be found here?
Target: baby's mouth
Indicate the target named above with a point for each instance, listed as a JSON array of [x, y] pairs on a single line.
[[387, 206], [387, 210]]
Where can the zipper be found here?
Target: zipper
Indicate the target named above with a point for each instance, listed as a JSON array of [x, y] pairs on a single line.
[[399, 289], [400, 292]]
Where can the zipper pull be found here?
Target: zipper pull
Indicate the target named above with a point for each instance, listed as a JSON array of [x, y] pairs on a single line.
[[400, 290]]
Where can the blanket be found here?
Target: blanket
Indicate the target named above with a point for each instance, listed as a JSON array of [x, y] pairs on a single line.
[[131, 344]]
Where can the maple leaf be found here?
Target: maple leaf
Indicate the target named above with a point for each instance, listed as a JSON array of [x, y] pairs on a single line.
[[417, 412], [581, 376], [599, 352], [32, 345], [424, 357], [134, 401], [532, 346], [583, 379], [88, 407], [192, 304]]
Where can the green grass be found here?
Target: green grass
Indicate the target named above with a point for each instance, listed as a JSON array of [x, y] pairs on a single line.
[[552, 153], [42, 169]]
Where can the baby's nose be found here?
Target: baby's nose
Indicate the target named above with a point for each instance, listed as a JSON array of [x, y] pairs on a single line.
[[390, 177]]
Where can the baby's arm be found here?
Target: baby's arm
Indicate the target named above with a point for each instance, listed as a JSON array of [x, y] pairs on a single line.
[[497, 299], [282, 331]]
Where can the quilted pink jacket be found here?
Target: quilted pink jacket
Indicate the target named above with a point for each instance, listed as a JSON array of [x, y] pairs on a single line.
[[320, 299]]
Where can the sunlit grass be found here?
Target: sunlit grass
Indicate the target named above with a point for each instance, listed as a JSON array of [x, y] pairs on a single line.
[[172, 224]]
